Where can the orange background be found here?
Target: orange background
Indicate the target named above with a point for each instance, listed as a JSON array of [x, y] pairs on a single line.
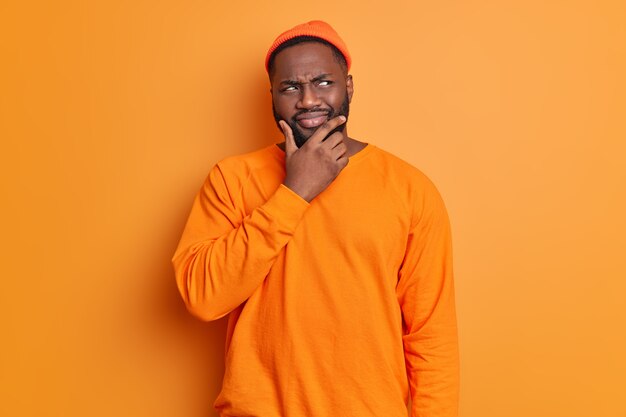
[[112, 113]]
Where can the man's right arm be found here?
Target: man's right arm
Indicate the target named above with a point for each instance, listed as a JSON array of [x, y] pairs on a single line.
[[223, 256]]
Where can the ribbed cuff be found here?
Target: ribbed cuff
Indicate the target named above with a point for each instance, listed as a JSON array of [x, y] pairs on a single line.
[[286, 207]]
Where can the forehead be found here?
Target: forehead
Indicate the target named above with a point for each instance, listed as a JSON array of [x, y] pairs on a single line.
[[305, 60]]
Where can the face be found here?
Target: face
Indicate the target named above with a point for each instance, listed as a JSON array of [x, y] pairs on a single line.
[[309, 87]]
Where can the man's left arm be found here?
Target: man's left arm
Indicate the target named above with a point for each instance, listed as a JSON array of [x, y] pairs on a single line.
[[425, 292]]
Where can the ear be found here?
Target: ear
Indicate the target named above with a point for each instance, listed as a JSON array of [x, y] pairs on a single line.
[[349, 87]]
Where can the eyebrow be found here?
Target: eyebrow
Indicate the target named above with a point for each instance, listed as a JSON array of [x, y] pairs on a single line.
[[293, 82]]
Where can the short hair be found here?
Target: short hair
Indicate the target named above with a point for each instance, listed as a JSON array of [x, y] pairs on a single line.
[[341, 60]]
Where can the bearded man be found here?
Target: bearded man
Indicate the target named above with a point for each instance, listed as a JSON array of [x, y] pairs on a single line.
[[331, 256]]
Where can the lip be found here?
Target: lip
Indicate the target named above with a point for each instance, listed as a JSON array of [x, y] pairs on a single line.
[[312, 120]]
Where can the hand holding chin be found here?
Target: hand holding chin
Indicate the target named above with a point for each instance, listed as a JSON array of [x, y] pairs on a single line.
[[311, 168]]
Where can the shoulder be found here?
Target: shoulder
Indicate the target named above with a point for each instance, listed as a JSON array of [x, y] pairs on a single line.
[[411, 184], [256, 160], [234, 172], [397, 170]]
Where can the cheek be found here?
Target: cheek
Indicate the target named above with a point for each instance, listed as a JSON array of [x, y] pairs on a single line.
[[336, 94], [283, 106], [337, 99]]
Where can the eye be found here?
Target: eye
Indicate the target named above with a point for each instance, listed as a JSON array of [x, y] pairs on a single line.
[[289, 88], [324, 83]]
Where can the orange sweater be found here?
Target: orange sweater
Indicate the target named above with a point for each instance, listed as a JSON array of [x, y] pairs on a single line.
[[337, 306]]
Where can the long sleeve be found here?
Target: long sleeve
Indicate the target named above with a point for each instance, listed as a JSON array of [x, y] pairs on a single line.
[[425, 292], [224, 254]]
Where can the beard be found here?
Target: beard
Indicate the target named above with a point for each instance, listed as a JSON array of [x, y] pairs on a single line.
[[299, 137]]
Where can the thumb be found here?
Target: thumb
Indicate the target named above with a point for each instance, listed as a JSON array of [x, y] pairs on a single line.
[[290, 142]]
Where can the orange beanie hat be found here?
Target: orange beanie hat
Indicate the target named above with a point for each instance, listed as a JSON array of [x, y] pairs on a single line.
[[314, 28]]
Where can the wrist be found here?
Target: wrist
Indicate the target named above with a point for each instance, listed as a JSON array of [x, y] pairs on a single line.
[[299, 191]]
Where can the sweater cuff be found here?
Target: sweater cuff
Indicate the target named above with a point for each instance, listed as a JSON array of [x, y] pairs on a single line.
[[286, 207]]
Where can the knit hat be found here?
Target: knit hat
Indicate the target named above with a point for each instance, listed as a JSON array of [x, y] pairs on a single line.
[[314, 28]]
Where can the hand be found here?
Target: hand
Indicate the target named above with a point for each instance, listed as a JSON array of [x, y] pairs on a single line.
[[311, 168]]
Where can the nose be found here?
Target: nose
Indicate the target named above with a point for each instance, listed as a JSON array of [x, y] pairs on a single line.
[[308, 98]]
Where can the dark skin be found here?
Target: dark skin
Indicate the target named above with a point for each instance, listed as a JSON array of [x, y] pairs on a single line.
[[308, 85]]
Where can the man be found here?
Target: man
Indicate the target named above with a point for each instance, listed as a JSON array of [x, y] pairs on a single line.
[[332, 257]]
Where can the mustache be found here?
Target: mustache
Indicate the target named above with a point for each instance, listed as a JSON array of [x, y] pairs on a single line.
[[301, 112]]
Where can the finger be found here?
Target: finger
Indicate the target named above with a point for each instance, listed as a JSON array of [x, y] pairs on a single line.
[[343, 161], [340, 150], [333, 140], [321, 133], [290, 142]]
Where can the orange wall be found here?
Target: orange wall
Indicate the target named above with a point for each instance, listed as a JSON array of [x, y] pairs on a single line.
[[112, 112]]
